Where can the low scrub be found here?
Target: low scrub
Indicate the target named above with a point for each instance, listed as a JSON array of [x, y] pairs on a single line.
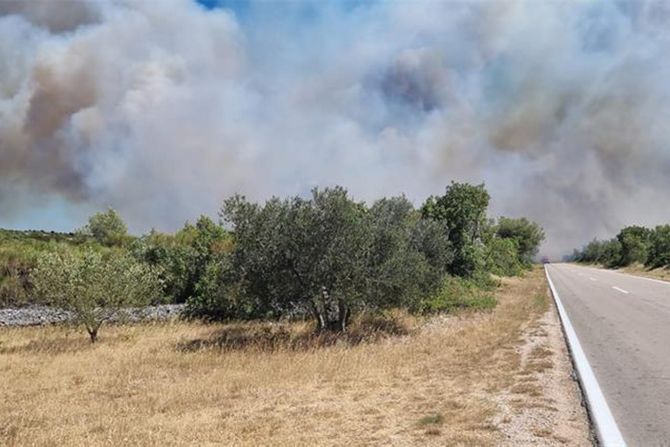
[[460, 294]]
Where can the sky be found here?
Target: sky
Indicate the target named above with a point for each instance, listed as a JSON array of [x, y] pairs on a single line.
[[161, 109]]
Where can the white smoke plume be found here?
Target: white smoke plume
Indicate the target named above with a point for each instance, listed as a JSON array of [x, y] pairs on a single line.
[[161, 109]]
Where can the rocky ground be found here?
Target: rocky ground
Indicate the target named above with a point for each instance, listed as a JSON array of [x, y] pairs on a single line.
[[42, 315]]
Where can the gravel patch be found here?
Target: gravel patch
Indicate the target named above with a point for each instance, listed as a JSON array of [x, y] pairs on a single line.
[[43, 315]]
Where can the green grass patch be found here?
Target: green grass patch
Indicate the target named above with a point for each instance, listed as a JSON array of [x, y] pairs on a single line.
[[459, 293]]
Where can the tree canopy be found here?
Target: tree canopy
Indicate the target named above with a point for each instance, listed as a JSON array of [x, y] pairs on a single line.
[[107, 228], [462, 209]]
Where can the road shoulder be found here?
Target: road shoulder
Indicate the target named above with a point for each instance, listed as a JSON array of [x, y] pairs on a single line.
[[544, 405]]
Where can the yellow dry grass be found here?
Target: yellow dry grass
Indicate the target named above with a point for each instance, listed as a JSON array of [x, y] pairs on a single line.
[[662, 273], [149, 385]]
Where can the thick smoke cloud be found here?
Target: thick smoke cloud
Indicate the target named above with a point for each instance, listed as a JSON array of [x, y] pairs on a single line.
[[161, 109]]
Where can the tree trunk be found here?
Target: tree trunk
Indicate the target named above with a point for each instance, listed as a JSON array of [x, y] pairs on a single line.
[[320, 323], [93, 333], [331, 314], [343, 315]]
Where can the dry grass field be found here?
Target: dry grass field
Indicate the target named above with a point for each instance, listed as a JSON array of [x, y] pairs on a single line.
[[472, 379]]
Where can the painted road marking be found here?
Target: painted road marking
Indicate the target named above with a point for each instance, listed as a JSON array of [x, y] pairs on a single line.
[[606, 427], [592, 278], [620, 290]]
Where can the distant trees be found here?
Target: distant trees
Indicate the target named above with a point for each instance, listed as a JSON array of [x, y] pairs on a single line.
[[526, 234], [659, 247], [607, 253], [94, 287], [633, 244], [107, 228]]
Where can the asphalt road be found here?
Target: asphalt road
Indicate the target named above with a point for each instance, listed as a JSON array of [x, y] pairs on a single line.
[[623, 324]]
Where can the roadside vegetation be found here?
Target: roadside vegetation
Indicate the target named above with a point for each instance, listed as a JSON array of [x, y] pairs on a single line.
[[634, 249], [324, 258]]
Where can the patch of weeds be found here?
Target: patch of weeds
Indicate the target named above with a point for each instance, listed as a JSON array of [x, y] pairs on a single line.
[[433, 419], [540, 301], [461, 294]]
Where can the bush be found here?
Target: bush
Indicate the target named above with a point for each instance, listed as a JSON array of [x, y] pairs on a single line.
[[459, 293], [19, 251], [606, 253], [502, 257]]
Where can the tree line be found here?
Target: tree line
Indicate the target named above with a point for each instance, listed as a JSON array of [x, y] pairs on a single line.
[[324, 257], [632, 245]]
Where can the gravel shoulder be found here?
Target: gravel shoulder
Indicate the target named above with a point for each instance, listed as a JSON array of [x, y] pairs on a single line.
[[545, 405]]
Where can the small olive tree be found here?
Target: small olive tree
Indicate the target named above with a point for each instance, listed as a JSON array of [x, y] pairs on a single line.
[[94, 287]]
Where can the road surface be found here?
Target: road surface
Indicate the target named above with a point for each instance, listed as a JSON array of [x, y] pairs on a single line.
[[623, 324]]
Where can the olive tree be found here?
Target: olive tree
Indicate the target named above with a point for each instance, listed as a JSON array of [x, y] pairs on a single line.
[[408, 256], [94, 287], [301, 254]]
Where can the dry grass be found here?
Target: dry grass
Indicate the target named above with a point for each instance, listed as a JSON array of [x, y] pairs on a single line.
[[662, 273], [177, 384]]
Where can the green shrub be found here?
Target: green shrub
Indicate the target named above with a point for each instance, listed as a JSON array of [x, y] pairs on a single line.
[[659, 250], [458, 293], [502, 257]]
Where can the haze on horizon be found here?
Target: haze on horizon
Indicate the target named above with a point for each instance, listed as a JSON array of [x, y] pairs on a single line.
[[162, 109]]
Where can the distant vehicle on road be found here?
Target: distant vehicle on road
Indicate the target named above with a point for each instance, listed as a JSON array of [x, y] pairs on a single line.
[[546, 260]]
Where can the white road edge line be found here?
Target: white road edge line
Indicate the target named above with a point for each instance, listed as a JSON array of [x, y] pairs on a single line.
[[606, 428], [620, 290]]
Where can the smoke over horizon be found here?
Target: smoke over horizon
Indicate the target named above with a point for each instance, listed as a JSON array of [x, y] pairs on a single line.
[[162, 109]]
